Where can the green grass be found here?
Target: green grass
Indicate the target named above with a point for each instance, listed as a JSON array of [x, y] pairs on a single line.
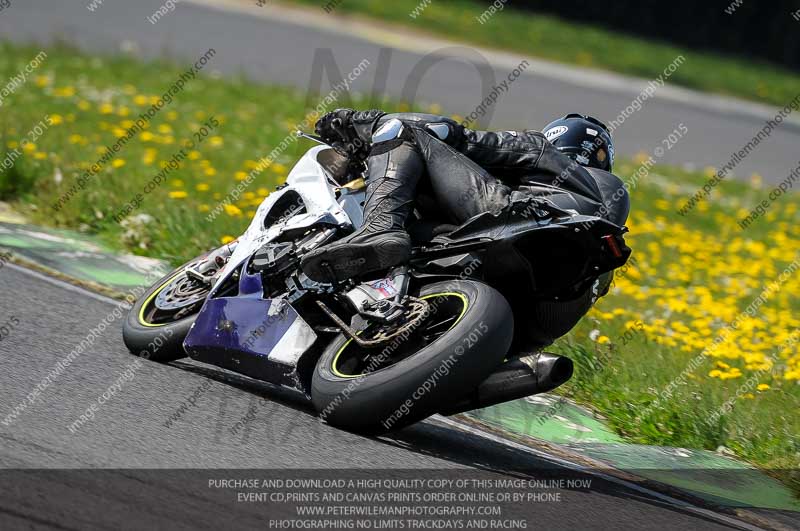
[[548, 37], [675, 257], [93, 97], [623, 377]]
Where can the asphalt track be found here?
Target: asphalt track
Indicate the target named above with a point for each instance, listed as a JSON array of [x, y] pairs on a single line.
[[129, 432], [269, 45]]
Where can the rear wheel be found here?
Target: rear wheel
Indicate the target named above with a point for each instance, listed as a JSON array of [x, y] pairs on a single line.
[[161, 318], [464, 335]]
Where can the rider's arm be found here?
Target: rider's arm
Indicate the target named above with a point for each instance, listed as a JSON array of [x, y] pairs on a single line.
[[506, 154], [528, 154], [503, 153]]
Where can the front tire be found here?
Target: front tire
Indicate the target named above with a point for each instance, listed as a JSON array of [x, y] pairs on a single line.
[[464, 338], [158, 335]]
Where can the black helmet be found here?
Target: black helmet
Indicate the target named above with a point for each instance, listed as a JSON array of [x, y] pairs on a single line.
[[584, 139]]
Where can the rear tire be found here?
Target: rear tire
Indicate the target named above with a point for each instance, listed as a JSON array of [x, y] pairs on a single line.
[[421, 384], [163, 341]]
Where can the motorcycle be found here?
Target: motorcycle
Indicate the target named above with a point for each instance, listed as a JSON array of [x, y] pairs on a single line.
[[436, 335]]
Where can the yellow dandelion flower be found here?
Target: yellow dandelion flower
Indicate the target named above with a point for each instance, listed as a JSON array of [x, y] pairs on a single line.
[[232, 210], [194, 155], [118, 163], [84, 105], [30, 147], [210, 172], [149, 156], [64, 92], [716, 373], [203, 208], [240, 176], [226, 239], [56, 119], [216, 141], [42, 81], [603, 340], [279, 168], [762, 387], [146, 136], [748, 395], [172, 116], [106, 108], [140, 100], [39, 155], [202, 187], [164, 129], [662, 204], [178, 194]]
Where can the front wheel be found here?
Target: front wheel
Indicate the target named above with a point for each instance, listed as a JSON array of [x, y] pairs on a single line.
[[463, 337], [160, 319]]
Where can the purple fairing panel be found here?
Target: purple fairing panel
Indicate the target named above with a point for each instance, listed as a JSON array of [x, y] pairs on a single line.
[[239, 324], [249, 284], [246, 325]]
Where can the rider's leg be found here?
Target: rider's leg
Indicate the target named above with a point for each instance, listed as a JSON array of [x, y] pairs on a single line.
[[462, 188], [382, 241]]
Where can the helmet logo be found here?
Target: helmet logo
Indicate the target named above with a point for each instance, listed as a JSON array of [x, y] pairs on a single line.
[[555, 132], [601, 155], [590, 131]]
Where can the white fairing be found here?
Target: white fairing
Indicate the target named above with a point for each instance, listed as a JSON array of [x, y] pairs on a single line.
[[309, 180]]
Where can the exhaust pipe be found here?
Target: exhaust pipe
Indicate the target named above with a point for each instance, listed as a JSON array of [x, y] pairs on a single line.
[[518, 378]]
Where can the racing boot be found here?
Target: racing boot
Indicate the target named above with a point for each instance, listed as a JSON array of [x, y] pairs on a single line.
[[381, 242]]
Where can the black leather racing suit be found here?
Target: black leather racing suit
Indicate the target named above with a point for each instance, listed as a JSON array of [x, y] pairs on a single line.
[[471, 172]]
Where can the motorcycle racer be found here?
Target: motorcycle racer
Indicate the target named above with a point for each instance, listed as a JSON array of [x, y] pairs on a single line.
[[469, 173]]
